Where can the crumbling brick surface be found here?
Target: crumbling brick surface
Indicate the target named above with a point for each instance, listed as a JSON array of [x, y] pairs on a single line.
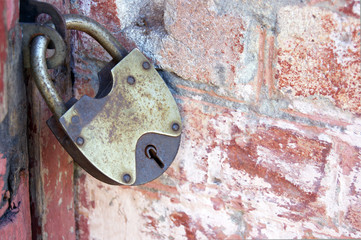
[[319, 55], [269, 95]]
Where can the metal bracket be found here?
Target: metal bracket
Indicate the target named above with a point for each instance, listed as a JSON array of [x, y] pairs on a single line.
[[29, 11]]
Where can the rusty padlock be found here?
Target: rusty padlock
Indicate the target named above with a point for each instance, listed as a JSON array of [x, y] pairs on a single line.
[[130, 132]]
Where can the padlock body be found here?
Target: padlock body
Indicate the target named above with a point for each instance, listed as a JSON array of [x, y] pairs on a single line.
[[108, 135]]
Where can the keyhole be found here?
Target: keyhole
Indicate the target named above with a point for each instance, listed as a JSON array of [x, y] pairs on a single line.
[[151, 153]]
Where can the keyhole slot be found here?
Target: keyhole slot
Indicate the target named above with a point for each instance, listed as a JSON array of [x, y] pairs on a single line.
[[151, 153]]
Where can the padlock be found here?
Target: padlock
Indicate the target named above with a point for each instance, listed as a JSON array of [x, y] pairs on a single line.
[[130, 132]]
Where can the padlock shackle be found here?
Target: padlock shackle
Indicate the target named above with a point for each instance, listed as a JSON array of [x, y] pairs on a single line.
[[98, 32], [42, 77], [38, 59]]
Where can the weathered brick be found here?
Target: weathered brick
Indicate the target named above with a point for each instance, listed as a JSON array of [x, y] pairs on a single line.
[[260, 157], [353, 216], [210, 44], [351, 8], [319, 55], [222, 161]]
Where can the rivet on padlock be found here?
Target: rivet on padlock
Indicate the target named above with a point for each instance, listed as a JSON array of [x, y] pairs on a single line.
[[130, 132]]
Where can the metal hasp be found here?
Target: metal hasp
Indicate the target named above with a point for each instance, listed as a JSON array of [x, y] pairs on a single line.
[[29, 11], [130, 132]]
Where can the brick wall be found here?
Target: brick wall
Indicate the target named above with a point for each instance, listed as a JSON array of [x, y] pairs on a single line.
[[269, 93]]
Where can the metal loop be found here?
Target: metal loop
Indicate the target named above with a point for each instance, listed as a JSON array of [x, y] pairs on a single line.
[[98, 32], [31, 30], [42, 77]]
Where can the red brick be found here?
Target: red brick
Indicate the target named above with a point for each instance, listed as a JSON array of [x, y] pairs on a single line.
[[349, 156], [320, 56], [353, 216], [288, 154], [103, 11], [191, 227], [351, 8], [181, 218], [207, 43]]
